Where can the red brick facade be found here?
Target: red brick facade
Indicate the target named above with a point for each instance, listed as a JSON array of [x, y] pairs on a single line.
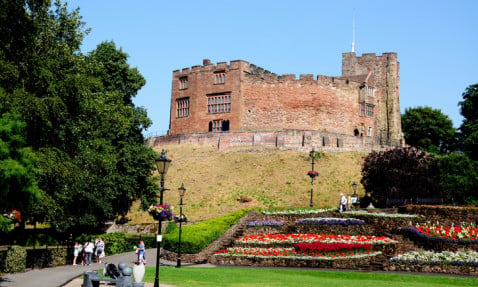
[[240, 97]]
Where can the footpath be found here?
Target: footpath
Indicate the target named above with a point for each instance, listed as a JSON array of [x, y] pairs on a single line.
[[68, 275]]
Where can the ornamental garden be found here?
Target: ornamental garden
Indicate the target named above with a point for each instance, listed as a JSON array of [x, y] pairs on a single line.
[[411, 238]]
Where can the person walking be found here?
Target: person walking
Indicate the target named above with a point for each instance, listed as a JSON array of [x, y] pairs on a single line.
[[89, 248], [343, 203]]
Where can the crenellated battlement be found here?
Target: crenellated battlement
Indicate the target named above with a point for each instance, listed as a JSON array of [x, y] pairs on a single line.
[[207, 66]]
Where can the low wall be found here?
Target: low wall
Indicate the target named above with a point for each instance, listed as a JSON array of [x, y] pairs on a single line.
[[287, 139], [289, 262]]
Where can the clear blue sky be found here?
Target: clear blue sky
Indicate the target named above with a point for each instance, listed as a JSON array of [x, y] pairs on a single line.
[[436, 41]]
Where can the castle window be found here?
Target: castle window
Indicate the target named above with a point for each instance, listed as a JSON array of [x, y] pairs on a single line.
[[182, 107], [219, 104], [366, 110], [183, 83], [369, 132], [220, 78], [217, 125], [370, 91]]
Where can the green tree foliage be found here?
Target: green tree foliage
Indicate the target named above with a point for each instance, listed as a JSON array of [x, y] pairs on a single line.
[[79, 114], [469, 127], [18, 185], [458, 177], [428, 129], [400, 173]]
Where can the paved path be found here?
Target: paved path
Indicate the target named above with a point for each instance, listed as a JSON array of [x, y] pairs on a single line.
[[61, 275]]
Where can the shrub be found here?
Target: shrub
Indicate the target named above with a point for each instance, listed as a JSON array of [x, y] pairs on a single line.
[[15, 260], [196, 237], [400, 173]]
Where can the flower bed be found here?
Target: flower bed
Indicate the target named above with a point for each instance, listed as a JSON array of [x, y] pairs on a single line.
[[331, 249], [333, 225], [295, 211], [384, 222], [272, 238], [260, 223], [330, 221], [442, 238], [463, 262]]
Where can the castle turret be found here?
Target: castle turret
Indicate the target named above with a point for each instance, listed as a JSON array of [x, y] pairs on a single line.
[[381, 73]]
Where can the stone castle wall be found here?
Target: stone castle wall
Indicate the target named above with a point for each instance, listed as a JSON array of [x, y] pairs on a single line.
[[329, 108], [291, 140]]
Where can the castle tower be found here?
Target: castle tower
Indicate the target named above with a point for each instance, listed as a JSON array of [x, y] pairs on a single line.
[[381, 74]]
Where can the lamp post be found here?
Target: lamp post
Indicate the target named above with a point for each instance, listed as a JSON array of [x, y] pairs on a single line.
[[182, 191], [313, 174], [162, 164]]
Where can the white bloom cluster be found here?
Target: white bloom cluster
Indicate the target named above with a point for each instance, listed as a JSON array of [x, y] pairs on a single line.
[[297, 211], [444, 257], [381, 214]]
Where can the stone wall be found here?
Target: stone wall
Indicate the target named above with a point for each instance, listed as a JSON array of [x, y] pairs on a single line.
[[299, 140], [263, 101], [445, 216], [353, 264]]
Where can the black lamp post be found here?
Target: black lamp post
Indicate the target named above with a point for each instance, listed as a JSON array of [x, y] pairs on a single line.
[[313, 174], [182, 191], [162, 163]]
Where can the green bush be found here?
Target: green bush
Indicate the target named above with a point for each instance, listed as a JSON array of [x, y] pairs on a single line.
[[195, 238], [15, 260]]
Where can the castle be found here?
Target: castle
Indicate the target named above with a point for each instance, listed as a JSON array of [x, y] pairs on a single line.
[[242, 104]]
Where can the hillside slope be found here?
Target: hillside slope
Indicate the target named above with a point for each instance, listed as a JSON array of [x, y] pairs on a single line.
[[261, 176]]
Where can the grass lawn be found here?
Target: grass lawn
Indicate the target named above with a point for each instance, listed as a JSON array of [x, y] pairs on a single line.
[[223, 276]]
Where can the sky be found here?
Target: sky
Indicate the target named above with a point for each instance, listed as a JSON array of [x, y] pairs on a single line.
[[436, 42]]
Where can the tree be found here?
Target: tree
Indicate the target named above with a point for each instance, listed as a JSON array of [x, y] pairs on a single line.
[[428, 129], [18, 185], [80, 118], [458, 177], [469, 127], [407, 173]]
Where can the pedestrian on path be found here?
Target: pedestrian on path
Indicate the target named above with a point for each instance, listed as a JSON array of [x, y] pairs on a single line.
[[76, 251], [89, 248], [141, 252]]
